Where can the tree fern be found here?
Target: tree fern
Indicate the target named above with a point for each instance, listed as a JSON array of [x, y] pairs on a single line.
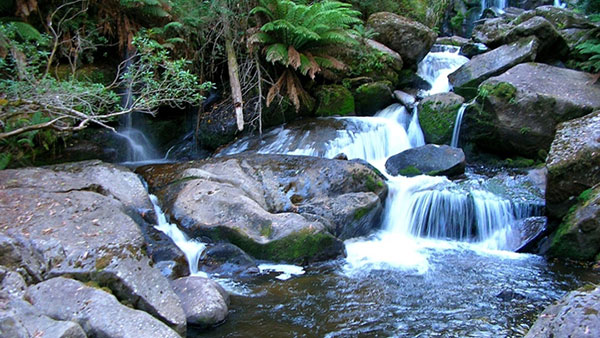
[[297, 35]]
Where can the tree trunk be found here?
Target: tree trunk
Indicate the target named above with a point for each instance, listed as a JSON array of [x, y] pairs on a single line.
[[234, 77]]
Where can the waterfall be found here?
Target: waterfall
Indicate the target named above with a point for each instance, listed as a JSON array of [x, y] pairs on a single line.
[[500, 4], [415, 134], [192, 249], [437, 65], [457, 123], [558, 3]]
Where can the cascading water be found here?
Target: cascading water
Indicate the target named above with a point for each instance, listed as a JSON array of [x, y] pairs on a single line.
[[457, 124], [192, 249], [437, 65], [558, 3]]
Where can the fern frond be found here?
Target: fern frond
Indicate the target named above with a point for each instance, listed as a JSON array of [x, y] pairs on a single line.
[[277, 52], [26, 31], [293, 57]]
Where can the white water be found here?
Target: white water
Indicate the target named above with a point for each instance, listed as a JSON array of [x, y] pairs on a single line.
[[457, 124], [192, 249], [437, 65], [558, 3]]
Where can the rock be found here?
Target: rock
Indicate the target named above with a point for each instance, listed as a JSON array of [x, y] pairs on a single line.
[[99, 313], [531, 229], [227, 260], [429, 159], [19, 319], [256, 201], [471, 49], [334, 100], [77, 222], [452, 41], [409, 38], [467, 78], [519, 110], [372, 97], [218, 126], [492, 32], [575, 315], [397, 62], [561, 18], [11, 283], [204, 301], [406, 99], [573, 162], [578, 236], [530, 4], [437, 116], [551, 44]]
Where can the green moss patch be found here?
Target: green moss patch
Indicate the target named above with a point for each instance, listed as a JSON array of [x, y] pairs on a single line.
[[410, 171], [437, 121], [334, 100]]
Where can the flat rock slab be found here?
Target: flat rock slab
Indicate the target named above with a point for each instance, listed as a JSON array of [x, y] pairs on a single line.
[[576, 315], [99, 313], [429, 159], [467, 78]]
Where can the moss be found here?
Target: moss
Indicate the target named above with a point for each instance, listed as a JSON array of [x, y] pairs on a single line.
[[266, 230], [371, 182], [410, 171], [587, 288], [520, 162], [437, 121], [360, 213], [502, 90], [103, 262], [95, 285], [371, 97], [334, 100]]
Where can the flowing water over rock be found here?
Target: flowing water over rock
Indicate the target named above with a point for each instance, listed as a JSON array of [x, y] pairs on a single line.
[[437, 65], [441, 266], [457, 124]]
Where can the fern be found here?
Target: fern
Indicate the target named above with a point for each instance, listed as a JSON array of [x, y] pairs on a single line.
[[591, 50], [297, 36]]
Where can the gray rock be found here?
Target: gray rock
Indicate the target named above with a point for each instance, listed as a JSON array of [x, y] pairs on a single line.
[[227, 260], [204, 301], [522, 107], [492, 32], [397, 63], [467, 78], [575, 315], [429, 159], [59, 223], [573, 162], [406, 99], [12, 283], [471, 49], [409, 38], [99, 313], [530, 230], [256, 201], [559, 17], [20, 319], [452, 41], [372, 97], [551, 44]]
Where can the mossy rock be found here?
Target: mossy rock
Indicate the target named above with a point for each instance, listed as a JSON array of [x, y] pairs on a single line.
[[372, 97], [437, 116], [334, 100]]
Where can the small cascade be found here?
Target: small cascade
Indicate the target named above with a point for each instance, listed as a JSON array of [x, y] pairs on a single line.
[[415, 134], [191, 248], [437, 65], [457, 124], [558, 3]]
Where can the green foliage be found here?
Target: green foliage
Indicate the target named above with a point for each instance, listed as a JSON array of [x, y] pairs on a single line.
[[296, 36], [456, 21], [590, 52]]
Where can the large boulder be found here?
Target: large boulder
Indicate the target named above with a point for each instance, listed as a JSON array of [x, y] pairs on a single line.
[[575, 315], [517, 112], [272, 206], [99, 313], [561, 18], [409, 38], [77, 220], [437, 116], [429, 159], [551, 43], [578, 237], [372, 97], [573, 162], [467, 78], [204, 301], [334, 100], [492, 32]]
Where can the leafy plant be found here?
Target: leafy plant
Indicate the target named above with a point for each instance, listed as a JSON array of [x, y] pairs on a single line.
[[297, 36], [589, 50]]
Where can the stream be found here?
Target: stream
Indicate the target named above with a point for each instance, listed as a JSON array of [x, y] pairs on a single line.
[[442, 265]]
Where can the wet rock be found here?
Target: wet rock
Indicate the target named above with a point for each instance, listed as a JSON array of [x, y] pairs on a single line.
[[372, 97], [334, 100], [437, 116], [204, 301], [531, 229], [99, 313], [575, 315], [471, 49], [467, 78], [225, 259], [573, 162], [58, 222], [406, 99], [508, 295], [520, 109], [578, 236], [430, 159], [409, 38], [218, 126], [452, 41], [255, 201]]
